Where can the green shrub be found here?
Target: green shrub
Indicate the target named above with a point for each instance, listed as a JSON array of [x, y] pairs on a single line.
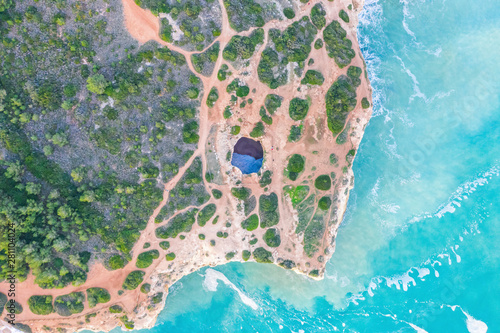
[[201, 236], [217, 194], [206, 214], [190, 132], [343, 15], [115, 309], [235, 130], [165, 245], [204, 63], [334, 159], [354, 73], [180, 223], [242, 47], [364, 103], [230, 255], [340, 100], [268, 210], [295, 166], [266, 178], [265, 118], [289, 13], [241, 193], [313, 77], [157, 298], [298, 108], [97, 295], [272, 237], [227, 112], [192, 92], [145, 259], [323, 182], [338, 45], [242, 91], [258, 130], [251, 223], [318, 16], [170, 256], [67, 305], [41, 305], [223, 72], [253, 241], [324, 203], [314, 273], [133, 280], [212, 97], [261, 255], [318, 44], [295, 133], [116, 262], [342, 137], [145, 288], [272, 103], [246, 255], [244, 14]]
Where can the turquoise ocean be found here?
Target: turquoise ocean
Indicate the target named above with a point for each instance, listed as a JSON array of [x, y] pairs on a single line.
[[419, 247]]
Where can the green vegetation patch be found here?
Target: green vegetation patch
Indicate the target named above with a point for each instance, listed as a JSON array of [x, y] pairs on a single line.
[[272, 237], [206, 214], [244, 14], [364, 103], [235, 130], [115, 309], [97, 295], [272, 103], [318, 44], [116, 262], [324, 203], [296, 193], [145, 288], [243, 47], [354, 73], [323, 182], [251, 223], [318, 16], [133, 280], [245, 255], [230, 255], [313, 77], [295, 166], [180, 223], [241, 193], [342, 137], [145, 259], [223, 72], [268, 210], [261, 255], [295, 133], [165, 245], [344, 16], [340, 100], [67, 305], [289, 13], [217, 193], [41, 305], [338, 45], [266, 178], [293, 45], [204, 63], [212, 97], [298, 108], [170, 256], [258, 130], [314, 233]]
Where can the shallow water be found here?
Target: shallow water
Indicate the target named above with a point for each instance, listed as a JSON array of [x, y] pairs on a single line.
[[418, 250]]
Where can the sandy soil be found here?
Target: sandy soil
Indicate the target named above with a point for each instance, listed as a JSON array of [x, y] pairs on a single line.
[[316, 145]]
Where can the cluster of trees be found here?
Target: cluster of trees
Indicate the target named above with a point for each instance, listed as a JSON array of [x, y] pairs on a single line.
[[206, 214], [258, 130], [261, 255], [97, 296], [204, 63], [291, 45], [344, 16], [338, 46], [340, 100], [268, 210], [313, 77], [297, 193], [145, 259], [243, 47], [298, 108], [295, 133], [241, 193], [133, 280], [251, 223], [295, 166], [323, 182], [318, 16], [272, 237], [266, 178], [67, 305], [273, 102], [180, 223], [324, 203], [212, 97], [244, 14]]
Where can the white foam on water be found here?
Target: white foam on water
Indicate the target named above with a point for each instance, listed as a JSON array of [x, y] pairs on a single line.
[[210, 283], [473, 325], [417, 329]]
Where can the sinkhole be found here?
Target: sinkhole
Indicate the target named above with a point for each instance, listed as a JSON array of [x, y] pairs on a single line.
[[247, 155]]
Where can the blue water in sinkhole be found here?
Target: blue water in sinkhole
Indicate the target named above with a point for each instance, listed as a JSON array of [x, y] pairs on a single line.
[[246, 163], [418, 250]]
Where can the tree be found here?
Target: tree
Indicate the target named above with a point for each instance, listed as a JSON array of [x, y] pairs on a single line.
[[97, 84]]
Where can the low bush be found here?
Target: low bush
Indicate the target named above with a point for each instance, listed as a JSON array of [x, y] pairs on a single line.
[[246, 255], [323, 182], [338, 45], [133, 280], [364, 103], [313, 77], [165, 245], [116, 262], [261, 255], [318, 44], [230, 255], [295, 133], [318, 16], [41, 305], [206, 214], [145, 288], [67, 305], [298, 108], [217, 194], [115, 309], [295, 166], [344, 16], [258, 130], [272, 237], [97, 295], [251, 223], [289, 13], [212, 97], [170, 256], [272, 103], [268, 210], [241, 193], [145, 259], [324, 203]]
